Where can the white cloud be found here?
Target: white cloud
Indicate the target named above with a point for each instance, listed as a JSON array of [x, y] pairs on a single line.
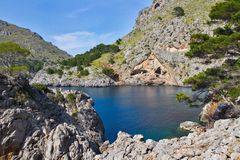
[[75, 13], [79, 42]]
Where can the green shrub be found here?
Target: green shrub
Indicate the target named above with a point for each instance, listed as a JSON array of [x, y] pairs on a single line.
[[216, 46], [108, 71], [88, 57], [234, 92], [225, 10], [223, 31], [79, 68], [111, 61], [181, 97], [54, 71], [71, 98], [40, 87], [197, 81], [59, 72], [12, 54], [84, 72], [50, 71], [236, 18], [11, 47], [70, 73], [118, 42], [59, 97], [178, 11], [199, 38]]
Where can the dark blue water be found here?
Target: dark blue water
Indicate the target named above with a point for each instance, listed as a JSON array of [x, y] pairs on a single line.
[[149, 110]]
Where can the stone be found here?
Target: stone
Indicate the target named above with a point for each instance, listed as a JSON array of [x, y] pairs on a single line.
[[40, 128], [192, 126]]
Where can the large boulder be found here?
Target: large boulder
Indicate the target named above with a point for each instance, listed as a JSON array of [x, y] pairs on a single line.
[[216, 110]]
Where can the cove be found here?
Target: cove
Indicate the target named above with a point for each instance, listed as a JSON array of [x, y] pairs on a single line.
[[148, 110]]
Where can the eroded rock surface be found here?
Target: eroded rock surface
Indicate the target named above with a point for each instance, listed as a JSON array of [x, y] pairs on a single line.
[[32, 126], [219, 143]]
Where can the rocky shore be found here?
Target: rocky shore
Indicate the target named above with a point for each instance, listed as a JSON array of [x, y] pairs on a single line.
[[36, 126], [38, 123], [71, 81], [219, 143]]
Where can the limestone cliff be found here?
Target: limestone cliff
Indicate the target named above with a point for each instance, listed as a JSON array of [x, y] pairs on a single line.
[[36, 126], [154, 52], [158, 32]]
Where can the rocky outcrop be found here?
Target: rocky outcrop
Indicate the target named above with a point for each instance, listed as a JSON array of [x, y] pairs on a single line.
[[154, 52], [152, 71], [34, 126], [220, 142], [192, 126], [218, 109], [158, 32], [66, 80]]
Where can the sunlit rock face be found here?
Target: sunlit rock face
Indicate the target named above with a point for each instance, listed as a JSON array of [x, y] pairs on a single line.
[[220, 142], [36, 126]]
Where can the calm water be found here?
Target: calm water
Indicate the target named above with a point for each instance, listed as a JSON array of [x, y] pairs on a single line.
[[149, 110]]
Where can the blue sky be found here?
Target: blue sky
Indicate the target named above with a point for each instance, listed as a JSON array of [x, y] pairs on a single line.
[[74, 25]]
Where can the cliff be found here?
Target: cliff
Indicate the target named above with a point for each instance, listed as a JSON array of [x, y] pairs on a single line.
[[154, 52], [59, 125]]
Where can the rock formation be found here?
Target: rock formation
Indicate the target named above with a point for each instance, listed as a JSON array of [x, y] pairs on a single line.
[[154, 52], [34, 126], [93, 80], [220, 142]]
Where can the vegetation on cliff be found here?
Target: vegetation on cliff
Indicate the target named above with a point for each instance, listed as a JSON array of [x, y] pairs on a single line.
[[11, 54], [223, 80], [88, 57]]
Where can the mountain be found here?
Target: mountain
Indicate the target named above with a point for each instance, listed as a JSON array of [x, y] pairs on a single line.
[[155, 49], [34, 126], [39, 48], [154, 52]]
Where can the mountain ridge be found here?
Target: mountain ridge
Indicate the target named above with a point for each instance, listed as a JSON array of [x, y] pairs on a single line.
[[39, 48]]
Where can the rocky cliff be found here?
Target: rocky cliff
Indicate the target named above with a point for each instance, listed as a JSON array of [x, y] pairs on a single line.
[[160, 33], [39, 48], [154, 52], [61, 125]]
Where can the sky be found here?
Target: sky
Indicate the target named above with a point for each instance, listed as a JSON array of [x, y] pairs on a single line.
[[74, 25]]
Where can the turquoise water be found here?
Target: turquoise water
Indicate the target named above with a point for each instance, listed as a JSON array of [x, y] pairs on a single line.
[[149, 110]]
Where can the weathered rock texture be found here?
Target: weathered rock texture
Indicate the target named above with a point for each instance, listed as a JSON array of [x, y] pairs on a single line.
[[219, 143], [34, 127], [158, 32], [93, 80], [154, 52]]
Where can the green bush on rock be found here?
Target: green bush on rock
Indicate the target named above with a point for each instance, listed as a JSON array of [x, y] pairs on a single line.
[[54, 71], [40, 87], [178, 11], [84, 72], [71, 98], [108, 71], [181, 97], [88, 57]]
